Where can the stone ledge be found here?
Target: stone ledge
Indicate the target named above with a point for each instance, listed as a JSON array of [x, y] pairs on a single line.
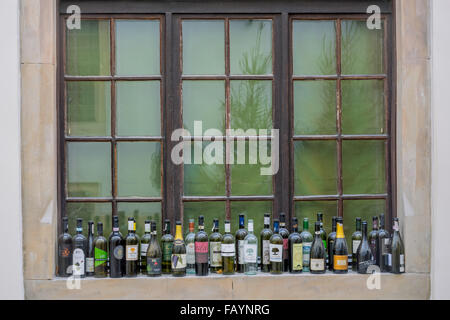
[[216, 287]]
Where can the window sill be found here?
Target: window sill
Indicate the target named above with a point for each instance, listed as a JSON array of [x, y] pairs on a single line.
[[238, 286]]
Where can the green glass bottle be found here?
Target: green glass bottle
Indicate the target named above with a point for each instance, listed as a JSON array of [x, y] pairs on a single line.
[[276, 249], [356, 241], [100, 253], [398, 250], [215, 249], [330, 243], [307, 240], [145, 241], [131, 250], [295, 249], [317, 261], [90, 251], [323, 234], [228, 250], [154, 254], [264, 245], [178, 253], [284, 233], [240, 236], [373, 239], [167, 246], [384, 246]]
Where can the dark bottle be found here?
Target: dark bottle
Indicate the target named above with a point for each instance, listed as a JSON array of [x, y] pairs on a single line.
[[264, 244], [100, 253], [317, 260], [384, 247], [215, 249], [228, 250], [201, 249], [90, 250], [240, 237], [373, 239], [131, 250], [284, 233], [79, 251], [276, 249], [307, 240], [178, 253], [398, 250], [116, 251], [65, 251], [330, 243], [364, 256], [167, 246], [154, 254], [295, 249], [145, 241], [323, 234], [356, 240], [340, 250]]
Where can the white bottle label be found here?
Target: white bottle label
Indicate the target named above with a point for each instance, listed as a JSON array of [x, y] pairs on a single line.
[[215, 254], [241, 251], [276, 252], [306, 253], [144, 247], [402, 263], [266, 252], [190, 253], [89, 264], [78, 262], [317, 264], [131, 252], [250, 253], [178, 261], [267, 220], [228, 249], [355, 245]]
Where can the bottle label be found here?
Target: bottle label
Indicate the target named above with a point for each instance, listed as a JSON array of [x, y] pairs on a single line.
[[364, 265], [89, 264], [355, 245], [306, 254], [228, 249], [153, 266], [267, 220], [389, 259], [167, 251], [266, 252], [215, 254], [386, 246], [201, 252], [78, 262], [340, 262], [241, 251], [297, 256], [317, 264], [402, 263], [144, 247], [285, 246], [131, 225], [132, 252], [276, 252], [101, 257], [373, 247], [190, 253], [178, 261], [64, 252], [250, 253], [147, 227], [118, 252]]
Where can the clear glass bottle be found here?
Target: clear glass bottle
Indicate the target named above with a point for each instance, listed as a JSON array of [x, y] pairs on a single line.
[[250, 250], [190, 249]]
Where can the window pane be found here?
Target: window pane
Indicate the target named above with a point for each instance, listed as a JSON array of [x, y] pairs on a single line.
[[250, 46], [309, 209], [209, 209], [362, 48], [203, 47], [363, 167], [90, 211], [141, 211], [89, 108], [363, 107], [139, 169], [251, 104], [314, 47], [246, 178], [204, 101], [89, 169], [204, 179], [88, 49], [315, 171], [138, 108], [314, 107]]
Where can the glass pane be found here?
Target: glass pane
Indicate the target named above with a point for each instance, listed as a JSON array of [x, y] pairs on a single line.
[[203, 47], [89, 108], [251, 104], [88, 49], [205, 179], [204, 101], [90, 211], [89, 169], [246, 178], [139, 169], [314, 47], [141, 211], [314, 107], [209, 209], [363, 107], [137, 47], [315, 171], [362, 48], [138, 108], [363, 167], [309, 209], [251, 46]]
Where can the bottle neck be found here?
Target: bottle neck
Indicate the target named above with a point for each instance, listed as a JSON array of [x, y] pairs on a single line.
[[305, 225], [375, 225], [147, 228], [167, 228], [201, 227], [178, 232], [215, 227], [79, 229], [131, 226], [364, 231], [340, 231], [295, 227], [227, 228], [382, 222], [266, 222], [66, 227], [250, 227], [91, 229], [191, 227], [333, 227], [358, 225], [395, 227], [276, 227], [241, 223]]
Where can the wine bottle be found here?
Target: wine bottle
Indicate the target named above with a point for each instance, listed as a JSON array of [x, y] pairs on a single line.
[[364, 256], [295, 249], [384, 246], [90, 250], [65, 251], [323, 235], [284, 233], [228, 250], [307, 240], [373, 239], [79, 251], [145, 241], [317, 261], [100, 253], [116, 251], [131, 250], [154, 254], [167, 246], [201, 249], [178, 253], [251, 250], [264, 245], [240, 236], [330, 243], [398, 250], [215, 248], [190, 249], [340, 250], [356, 240], [276, 249]]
